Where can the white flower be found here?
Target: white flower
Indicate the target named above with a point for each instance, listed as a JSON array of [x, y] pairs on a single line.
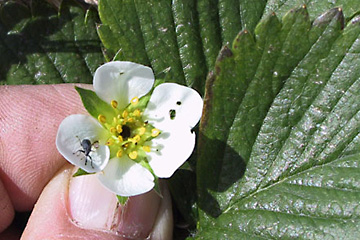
[[129, 145]]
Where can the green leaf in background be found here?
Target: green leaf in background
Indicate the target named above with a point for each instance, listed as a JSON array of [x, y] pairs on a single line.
[[171, 37], [120, 31], [182, 38], [279, 148], [40, 45], [316, 7]]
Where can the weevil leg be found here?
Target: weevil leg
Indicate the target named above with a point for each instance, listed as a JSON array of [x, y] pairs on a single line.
[[78, 152], [78, 139], [91, 161]]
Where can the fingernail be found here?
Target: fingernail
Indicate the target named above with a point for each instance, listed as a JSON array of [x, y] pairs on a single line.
[[139, 215], [91, 205]]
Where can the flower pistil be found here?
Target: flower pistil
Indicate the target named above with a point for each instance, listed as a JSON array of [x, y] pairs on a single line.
[[128, 132]]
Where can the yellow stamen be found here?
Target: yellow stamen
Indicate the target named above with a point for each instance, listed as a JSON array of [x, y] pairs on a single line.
[[136, 113], [133, 155], [136, 138], [120, 138], [146, 148], [114, 104], [109, 142], [102, 118], [131, 120], [114, 119], [119, 128], [134, 100], [142, 131], [119, 153], [125, 114], [113, 130], [155, 132]]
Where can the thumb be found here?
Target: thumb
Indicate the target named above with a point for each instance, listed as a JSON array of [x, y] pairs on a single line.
[[80, 208]]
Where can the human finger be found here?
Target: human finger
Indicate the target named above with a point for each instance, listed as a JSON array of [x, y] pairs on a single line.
[[29, 116], [79, 208]]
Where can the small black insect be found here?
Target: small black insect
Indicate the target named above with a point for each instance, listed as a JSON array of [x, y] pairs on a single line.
[[172, 114], [87, 148]]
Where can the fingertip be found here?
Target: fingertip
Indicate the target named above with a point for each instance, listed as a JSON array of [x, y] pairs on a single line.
[[7, 212], [50, 218]]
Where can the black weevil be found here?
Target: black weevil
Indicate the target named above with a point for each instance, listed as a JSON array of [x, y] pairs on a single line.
[[87, 149]]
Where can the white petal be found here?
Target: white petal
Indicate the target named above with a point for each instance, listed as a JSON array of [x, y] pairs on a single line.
[[72, 131], [170, 150], [126, 177], [184, 103], [122, 81]]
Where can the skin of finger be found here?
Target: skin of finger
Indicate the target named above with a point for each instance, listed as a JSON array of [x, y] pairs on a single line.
[[6, 209], [163, 227], [50, 218], [29, 118]]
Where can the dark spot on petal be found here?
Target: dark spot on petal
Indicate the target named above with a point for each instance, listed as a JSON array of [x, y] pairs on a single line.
[[178, 102], [172, 114]]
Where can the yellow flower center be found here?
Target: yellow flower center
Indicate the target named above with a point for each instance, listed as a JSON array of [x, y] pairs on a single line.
[[128, 132]]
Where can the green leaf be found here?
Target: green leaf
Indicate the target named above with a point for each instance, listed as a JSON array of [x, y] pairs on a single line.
[[230, 20], [316, 7], [279, 149], [188, 35], [251, 12], [210, 30], [95, 105], [40, 45], [183, 38], [121, 30], [179, 38], [156, 20]]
